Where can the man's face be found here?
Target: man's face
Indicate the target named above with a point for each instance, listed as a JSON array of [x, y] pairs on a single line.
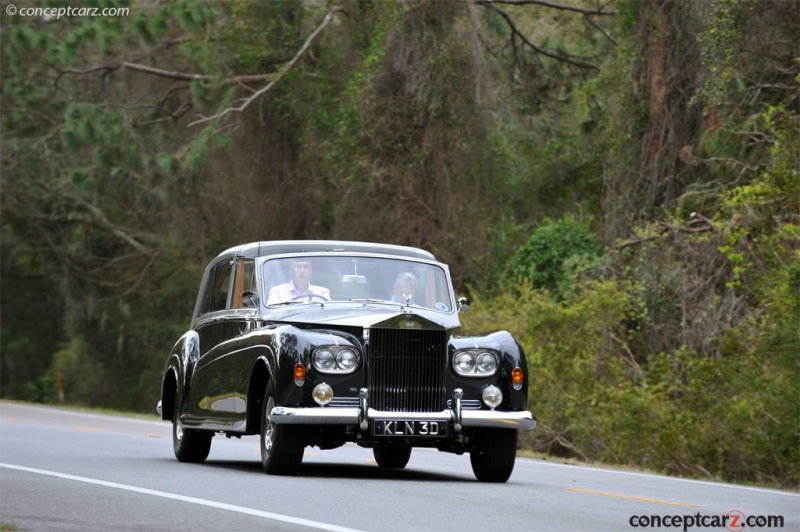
[[301, 271]]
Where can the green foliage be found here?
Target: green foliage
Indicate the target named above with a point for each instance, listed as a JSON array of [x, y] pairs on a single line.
[[732, 417], [783, 171], [81, 373], [555, 253], [43, 389], [347, 122], [685, 359], [264, 35], [718, 45], [190, 15]]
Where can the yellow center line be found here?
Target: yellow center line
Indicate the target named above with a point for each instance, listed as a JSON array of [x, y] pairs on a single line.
[[645, 499]]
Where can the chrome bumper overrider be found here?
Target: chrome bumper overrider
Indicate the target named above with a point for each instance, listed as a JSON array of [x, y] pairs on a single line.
[[363, 415]]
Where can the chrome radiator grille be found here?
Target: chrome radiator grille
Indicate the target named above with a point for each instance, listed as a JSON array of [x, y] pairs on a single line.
[[407, 370]]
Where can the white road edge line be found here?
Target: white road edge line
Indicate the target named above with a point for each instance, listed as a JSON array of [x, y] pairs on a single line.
[[535, 462], [192, 500]]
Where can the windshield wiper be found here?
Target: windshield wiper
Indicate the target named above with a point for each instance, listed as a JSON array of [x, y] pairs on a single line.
[[370, 300], [283, 303]]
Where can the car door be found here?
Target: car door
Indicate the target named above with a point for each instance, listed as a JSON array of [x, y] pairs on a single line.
[[217, 394]]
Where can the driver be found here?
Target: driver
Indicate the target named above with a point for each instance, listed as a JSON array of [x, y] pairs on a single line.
[[298, 287]]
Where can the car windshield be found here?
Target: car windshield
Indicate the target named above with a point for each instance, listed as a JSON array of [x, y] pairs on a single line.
[[314, 279]]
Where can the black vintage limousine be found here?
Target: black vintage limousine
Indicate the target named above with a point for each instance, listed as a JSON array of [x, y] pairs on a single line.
[[321, 343]]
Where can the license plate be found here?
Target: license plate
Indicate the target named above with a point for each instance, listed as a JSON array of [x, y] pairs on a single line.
[[409, 428]]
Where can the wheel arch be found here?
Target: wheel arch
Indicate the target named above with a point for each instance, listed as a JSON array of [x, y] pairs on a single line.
[[260, 376], [169, 393]]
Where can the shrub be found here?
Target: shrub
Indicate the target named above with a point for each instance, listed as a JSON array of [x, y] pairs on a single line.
[[555, 254]]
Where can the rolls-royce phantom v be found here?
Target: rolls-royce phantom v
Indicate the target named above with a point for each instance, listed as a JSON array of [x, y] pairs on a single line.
[[322, 343]]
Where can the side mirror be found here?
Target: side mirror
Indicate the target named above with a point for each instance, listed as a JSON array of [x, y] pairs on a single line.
[[463, 304]]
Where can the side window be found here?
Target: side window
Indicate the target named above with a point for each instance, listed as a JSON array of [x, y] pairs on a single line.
[[245, 292], [220, 287]]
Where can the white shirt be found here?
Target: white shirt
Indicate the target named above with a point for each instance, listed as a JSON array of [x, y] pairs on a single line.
[[287, 291]]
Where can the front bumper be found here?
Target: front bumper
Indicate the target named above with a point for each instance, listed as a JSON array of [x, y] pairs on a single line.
[[363, 415]]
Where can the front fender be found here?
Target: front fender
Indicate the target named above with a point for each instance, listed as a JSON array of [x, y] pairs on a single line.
[[511, 355], [178, 372], [287, 346]]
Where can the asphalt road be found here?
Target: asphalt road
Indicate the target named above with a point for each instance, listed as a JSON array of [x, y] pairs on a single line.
[[68, 470]]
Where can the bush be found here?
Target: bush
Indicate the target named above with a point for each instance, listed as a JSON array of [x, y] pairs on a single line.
[[732, 416], [555, 254]]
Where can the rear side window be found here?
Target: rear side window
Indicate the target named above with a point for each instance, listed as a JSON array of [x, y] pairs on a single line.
[[217, 298]]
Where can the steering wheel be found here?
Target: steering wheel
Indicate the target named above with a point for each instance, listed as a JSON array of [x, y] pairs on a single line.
[[310, 297]]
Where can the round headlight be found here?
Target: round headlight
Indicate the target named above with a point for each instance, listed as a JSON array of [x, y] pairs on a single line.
[[324, 360], [486, 363], [464, 363], [347, 359], [492, 396]]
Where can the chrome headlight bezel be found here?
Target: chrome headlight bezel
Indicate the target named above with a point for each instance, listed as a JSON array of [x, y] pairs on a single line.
[[475, 362], [336, 360]]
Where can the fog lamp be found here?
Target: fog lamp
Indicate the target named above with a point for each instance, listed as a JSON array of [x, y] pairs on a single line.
[[492, 396], [323, 394]]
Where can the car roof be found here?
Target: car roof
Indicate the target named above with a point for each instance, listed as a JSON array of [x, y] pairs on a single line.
[[277, 247]]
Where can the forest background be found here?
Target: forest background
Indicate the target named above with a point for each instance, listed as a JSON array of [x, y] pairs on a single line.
[[615, 182]]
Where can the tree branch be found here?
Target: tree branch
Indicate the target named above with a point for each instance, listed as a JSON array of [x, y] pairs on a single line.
[[138, 281], [107, 69], [96, 217], [545, 3], [306, 45], [515, 31], [184, 76], [600, 29], [697, 224]]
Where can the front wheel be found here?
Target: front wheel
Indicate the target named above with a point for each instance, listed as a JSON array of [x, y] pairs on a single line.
[[493, 453], [190, 445], [392, 457], [282, 446]]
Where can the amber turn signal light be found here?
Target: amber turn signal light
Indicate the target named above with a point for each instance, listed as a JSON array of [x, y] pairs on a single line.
[[299, 374], [516, 378]]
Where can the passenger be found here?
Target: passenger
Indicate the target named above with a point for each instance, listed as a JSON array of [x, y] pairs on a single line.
[[404, 288], [299, 287]]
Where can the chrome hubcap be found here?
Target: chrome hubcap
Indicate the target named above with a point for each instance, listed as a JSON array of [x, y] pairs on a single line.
[[269, 427]]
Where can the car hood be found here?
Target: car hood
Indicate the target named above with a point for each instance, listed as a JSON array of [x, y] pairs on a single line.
[[365, 315]]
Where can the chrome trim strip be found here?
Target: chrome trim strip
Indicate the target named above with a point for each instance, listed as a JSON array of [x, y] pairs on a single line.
[[444, 415], [314, 416], [350, 416], [492, 418]]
